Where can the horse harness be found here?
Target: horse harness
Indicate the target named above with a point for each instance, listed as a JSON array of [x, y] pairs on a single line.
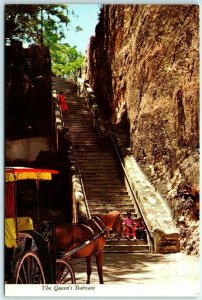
[[47, 229], [101, 226], [102, 229], [98, 224]]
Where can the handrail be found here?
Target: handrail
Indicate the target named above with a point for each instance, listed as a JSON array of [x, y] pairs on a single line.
[[81, 182], [128, 182]]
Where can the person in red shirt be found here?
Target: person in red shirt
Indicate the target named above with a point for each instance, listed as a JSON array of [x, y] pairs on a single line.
[[62, 101], [130, 226]]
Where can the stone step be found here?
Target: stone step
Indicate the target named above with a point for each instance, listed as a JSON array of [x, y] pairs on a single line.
[[111, 199], [98, 165], [111, 168], [123, 214], [106, 198], [92, 160], [113, 241], [93, 174], [109, 207], [90, 175], [103, 183], [99, 173], [105, 208], [86, 139], [126, 248], [96, 155], [106, 186], [98, 161], [104, 161], [99, 149], [108, 203], [99, 157], [103, 178], [123, 245], [108, 190], [111, 194]]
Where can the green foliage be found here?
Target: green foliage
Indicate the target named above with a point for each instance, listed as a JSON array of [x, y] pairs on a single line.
[[18, 19], [65, 60], [44, 25], [78, 28], [30, 22]]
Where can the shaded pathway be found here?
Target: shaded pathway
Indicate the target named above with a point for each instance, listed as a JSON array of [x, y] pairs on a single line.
[[147, 269]]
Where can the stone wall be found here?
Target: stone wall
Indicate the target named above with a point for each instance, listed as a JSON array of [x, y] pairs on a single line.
[[144, 67], [28, 105]]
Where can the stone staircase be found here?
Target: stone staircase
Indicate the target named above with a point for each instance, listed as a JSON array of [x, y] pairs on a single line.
[[102, 178]]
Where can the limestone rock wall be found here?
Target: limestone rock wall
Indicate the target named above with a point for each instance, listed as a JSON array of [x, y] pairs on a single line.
[[144, 68]]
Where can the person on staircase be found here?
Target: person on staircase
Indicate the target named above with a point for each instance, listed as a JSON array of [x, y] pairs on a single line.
[[130, 227], [62, 102]]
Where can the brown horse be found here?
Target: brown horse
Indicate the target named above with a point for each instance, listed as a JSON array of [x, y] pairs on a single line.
[[69, 236]]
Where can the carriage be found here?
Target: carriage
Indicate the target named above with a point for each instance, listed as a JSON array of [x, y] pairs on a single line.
[[30, 253]]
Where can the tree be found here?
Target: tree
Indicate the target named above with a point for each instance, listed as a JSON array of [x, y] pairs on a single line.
[[66, 60], [30, 22], [44, 25]]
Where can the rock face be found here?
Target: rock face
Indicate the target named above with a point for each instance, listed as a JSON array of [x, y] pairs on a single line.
[[144, 70]]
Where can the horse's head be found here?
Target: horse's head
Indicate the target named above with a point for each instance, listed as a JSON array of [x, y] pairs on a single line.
[[112, 221]]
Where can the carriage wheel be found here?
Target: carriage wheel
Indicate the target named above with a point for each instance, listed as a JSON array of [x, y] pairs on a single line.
[[64, 272], [29, 270]]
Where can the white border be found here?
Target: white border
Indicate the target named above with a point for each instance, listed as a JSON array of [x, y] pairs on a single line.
[[101, 291]]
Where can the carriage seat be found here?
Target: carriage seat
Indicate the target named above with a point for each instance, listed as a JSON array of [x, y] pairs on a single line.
[[23, 223]]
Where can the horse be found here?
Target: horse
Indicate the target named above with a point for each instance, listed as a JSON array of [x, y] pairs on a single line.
[[69, 236]]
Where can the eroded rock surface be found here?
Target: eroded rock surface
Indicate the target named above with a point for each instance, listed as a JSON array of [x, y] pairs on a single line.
[[144, 69]]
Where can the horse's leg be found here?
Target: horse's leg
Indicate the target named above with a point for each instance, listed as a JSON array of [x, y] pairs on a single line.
[[89, 269], [99, 261]]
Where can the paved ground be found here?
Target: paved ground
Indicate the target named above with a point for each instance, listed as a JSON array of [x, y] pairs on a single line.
[[146, 274]]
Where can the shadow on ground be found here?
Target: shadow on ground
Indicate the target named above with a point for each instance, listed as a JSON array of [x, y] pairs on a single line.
[[121, 268]]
